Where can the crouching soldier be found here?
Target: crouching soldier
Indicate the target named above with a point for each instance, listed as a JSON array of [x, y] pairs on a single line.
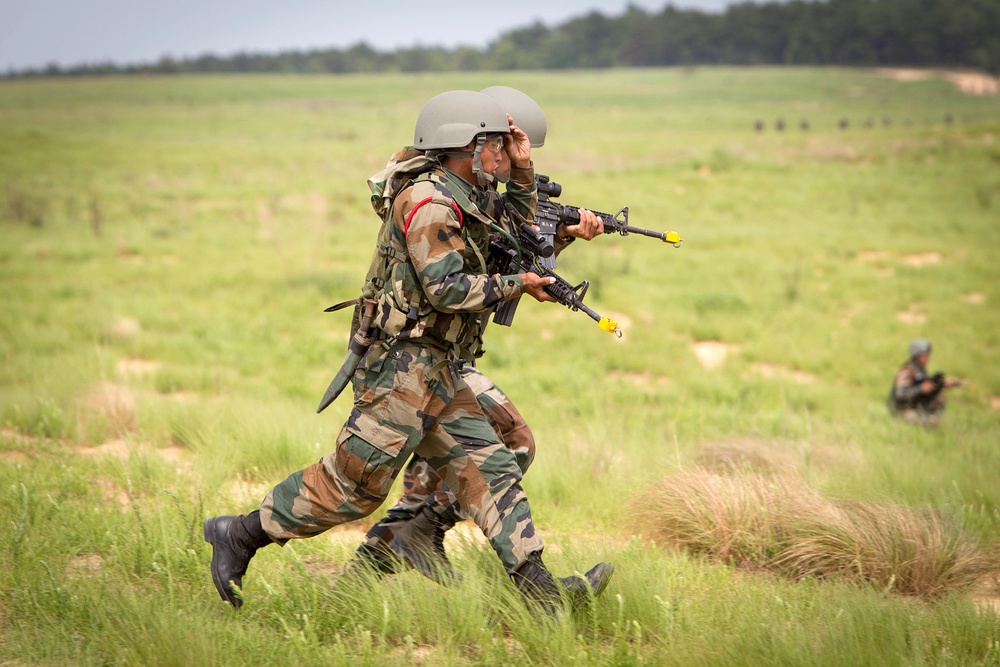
[[918, 397]]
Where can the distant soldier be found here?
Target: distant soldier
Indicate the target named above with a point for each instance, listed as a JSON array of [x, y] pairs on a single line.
[[844, 123], [916, 396]]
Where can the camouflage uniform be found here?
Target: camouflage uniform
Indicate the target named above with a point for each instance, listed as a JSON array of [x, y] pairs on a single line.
[[412, 395], [421, 485], [907, 400]]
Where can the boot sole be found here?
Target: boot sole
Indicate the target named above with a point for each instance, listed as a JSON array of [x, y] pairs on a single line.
[[601, 575], [225, 592]]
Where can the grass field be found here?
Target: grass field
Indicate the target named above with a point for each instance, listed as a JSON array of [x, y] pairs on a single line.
[[167, 246]]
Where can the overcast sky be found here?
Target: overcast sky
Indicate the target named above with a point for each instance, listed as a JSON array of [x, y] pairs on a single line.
[[34, 33]]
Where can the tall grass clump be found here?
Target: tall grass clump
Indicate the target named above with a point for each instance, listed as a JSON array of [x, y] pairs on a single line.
[[781, 525]]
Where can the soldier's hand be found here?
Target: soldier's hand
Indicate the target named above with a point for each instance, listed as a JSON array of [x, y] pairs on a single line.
[[928, 386], [534, 285], [589, 227], [518, 145]]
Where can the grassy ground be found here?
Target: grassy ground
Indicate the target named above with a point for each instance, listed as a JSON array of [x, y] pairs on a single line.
[[168, 245]]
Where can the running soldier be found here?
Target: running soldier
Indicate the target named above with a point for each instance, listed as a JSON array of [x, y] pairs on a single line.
[[420, 313], [412, 532]]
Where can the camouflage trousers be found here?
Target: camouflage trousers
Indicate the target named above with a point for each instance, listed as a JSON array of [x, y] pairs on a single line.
[[423, 486], [927, 414], [408, 400]]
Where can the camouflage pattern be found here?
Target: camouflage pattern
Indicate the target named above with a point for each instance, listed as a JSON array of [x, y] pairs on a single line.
[[435, 294], [410, 397], [409, 400], [422, 485], [908, 402]]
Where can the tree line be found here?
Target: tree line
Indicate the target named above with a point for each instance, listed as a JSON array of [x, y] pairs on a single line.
[[922, 33]]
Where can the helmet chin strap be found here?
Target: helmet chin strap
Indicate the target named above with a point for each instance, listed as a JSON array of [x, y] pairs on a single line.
[[482, 178]]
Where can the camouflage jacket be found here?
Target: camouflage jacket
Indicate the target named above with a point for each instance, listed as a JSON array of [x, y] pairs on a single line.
[[906, 392], [436, 286]]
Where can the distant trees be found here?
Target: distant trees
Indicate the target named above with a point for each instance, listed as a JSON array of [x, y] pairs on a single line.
[[953, 33]]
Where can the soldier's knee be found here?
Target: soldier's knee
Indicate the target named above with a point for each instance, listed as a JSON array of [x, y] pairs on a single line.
[[522, 443]]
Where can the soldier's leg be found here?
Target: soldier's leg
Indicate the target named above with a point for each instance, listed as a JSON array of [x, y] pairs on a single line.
[[482, 473], [485, 478], [388, 421], [423, 488]]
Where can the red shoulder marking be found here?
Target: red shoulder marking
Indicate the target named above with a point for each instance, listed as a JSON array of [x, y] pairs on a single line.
[[409, 216]]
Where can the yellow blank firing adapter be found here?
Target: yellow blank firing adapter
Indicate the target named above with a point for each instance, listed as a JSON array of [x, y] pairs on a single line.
[[610, 326], [673, 238]]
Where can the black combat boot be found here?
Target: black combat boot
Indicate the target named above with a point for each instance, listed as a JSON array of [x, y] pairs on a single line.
[[538, 585], [592, 583], [234, 540], [377, 559], [419, 543]]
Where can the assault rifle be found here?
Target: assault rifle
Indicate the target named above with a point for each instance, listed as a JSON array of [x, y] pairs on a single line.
[[551, 214], [534, 250], [526, 253], [943, 382]]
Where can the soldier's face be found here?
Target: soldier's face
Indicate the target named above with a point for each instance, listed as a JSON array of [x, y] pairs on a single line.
[[503, 166], [494, 158]]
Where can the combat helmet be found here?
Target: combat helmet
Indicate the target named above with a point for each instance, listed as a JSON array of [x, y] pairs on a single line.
[[919, 346], [452, 119], [523, 109]]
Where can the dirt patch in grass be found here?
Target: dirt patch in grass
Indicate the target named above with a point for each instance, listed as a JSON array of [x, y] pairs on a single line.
[[137, 366], [246, 492], [112, 402], [921, 259], [639, 378], [713, 353], [986, 594], [124, 328], [995, 402], [112, 493], [967, 83], [911, 316], [13, 457], [973, 83], [783, 372], [872, 256], [84, 566], [117, 448], [974, 298]]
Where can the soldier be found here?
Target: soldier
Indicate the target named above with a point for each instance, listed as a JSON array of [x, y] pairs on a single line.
[[917, 397], [427, 288], [412, 532]]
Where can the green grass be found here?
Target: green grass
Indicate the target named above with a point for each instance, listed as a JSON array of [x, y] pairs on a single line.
[[167, 246]]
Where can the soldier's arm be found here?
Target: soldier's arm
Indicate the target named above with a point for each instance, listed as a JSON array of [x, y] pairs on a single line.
[[436, 249], [521, 194], [906, 389]]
